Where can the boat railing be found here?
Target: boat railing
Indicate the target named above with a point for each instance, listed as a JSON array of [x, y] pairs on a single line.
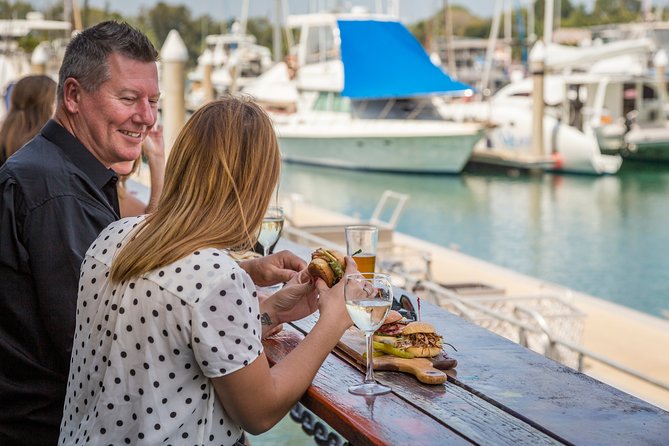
[[546, 323]]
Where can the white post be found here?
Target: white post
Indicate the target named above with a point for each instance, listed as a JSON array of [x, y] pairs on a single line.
[[174, 56], [39, 59], [537, 62], [548, 21], [207, 61], [660, 61]]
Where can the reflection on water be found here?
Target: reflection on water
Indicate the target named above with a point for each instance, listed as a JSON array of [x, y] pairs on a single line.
[[605, 236]]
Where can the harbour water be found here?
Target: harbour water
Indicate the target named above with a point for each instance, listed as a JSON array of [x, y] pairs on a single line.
[[606, 236]]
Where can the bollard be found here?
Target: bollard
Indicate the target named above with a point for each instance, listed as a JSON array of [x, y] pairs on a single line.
[[174, 56]]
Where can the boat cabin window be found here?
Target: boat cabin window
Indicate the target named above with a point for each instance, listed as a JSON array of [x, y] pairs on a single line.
[[321, 44], [332, 102], [396, 108], [648, 104]]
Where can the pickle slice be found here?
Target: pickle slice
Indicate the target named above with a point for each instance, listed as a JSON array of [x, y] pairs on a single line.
[[391, 350]]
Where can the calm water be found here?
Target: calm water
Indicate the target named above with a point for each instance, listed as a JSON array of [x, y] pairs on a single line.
[[606, 236]]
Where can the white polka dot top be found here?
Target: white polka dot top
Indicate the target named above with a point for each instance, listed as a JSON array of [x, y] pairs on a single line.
[[144, 350]]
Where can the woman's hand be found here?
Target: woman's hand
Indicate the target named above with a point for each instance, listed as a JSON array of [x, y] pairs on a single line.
[[279, 267], [297, 299], [332, 304]]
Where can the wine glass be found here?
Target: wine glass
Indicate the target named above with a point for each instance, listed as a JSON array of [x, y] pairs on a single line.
[[270, 231], [368, 300]]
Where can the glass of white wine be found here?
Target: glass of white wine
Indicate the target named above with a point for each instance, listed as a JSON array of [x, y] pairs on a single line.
[[270, 231], [368, 300]]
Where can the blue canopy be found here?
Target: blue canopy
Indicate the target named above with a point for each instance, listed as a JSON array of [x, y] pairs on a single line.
[[384, 60]]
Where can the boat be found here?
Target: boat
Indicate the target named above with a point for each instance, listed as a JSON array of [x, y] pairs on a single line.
[[15, 62], [235, 59], [362, 92], [586, 120]]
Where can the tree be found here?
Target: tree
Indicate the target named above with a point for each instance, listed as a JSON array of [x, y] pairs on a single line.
[[616, 11], [14, 10]]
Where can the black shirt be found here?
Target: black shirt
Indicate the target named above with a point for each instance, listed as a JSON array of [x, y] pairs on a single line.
[[55, 198]]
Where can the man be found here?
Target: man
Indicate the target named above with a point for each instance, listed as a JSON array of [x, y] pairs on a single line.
[[56, 194]]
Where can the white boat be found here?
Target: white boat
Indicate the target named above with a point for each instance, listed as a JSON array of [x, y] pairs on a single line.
[[586, 117], [235, 59], [16, 63], [363, 87]]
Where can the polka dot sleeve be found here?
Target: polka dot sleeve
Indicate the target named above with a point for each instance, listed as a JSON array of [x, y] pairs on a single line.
[[226, 325]]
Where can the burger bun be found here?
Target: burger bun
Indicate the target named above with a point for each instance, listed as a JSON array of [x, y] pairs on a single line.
[[418, 327], [320, 268]]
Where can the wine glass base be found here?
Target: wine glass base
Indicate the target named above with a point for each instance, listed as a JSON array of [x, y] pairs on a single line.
[[369, 389]]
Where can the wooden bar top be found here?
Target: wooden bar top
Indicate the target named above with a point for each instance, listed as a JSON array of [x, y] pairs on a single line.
[[502, 394]]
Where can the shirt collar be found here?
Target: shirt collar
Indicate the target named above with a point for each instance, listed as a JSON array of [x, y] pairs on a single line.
[[78, 154]]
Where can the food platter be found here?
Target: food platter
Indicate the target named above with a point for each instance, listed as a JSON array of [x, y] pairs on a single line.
[[426, 370]]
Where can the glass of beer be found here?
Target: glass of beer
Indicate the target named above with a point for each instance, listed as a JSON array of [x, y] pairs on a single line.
[[361, 244]]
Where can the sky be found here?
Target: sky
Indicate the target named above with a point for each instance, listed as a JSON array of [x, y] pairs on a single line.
[[410, 10]]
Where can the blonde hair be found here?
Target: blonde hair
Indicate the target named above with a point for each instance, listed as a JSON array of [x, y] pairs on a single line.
[[31, 105], [219, 179]]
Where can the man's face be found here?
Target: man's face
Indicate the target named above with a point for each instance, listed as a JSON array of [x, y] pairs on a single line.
[[113, 121]]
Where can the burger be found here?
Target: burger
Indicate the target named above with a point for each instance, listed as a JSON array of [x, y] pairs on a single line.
[[420, 339], [407, 340], [392, 326], [327, 264]]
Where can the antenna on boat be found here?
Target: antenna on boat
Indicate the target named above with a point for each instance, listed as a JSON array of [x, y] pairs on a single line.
[[492, 43]]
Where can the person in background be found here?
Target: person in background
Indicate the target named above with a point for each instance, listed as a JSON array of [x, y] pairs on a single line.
[[167, 347], [32, 103], [154, 150], [56, 194]]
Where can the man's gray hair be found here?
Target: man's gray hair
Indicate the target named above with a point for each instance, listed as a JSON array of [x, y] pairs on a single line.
[[87, 53]]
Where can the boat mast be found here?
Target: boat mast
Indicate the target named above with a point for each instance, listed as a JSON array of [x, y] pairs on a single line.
[[492, 43], [450, 50], [241, 48], [548, 21]]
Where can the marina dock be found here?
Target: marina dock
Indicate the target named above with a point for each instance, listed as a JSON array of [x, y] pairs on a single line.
[[624, 336]]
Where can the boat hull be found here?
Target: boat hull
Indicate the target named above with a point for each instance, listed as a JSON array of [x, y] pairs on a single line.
[[573, 151], [408, 154], [648, 144]]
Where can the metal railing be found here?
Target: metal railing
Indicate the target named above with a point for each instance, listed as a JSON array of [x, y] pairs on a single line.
[[471, 309]]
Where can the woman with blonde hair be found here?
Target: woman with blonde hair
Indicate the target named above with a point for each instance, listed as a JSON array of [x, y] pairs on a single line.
[[32, 103], [167, 346]]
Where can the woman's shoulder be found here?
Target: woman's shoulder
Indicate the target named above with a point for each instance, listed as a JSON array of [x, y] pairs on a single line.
[[113, 237], [199, 274]]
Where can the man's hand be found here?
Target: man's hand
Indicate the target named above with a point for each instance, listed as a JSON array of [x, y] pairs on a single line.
[[279, 267]]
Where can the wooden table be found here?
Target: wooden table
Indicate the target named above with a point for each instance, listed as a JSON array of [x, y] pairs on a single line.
[[502, 394]]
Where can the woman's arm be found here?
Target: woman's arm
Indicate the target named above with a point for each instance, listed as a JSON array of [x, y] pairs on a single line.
[[258, 397]]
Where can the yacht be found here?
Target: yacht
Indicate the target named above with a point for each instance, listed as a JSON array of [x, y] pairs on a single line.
[[362, 89]]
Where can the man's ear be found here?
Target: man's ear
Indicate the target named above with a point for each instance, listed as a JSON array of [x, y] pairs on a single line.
[[71, 95]]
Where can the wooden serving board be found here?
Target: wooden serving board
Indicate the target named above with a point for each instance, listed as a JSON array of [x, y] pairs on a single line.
[[424, 369]]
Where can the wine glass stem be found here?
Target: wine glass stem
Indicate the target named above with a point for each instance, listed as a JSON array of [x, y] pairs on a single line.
[[369, 374], [265, 251]]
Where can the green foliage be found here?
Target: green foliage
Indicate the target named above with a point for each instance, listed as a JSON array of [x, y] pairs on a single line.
[[616, 11], [16, 10]]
